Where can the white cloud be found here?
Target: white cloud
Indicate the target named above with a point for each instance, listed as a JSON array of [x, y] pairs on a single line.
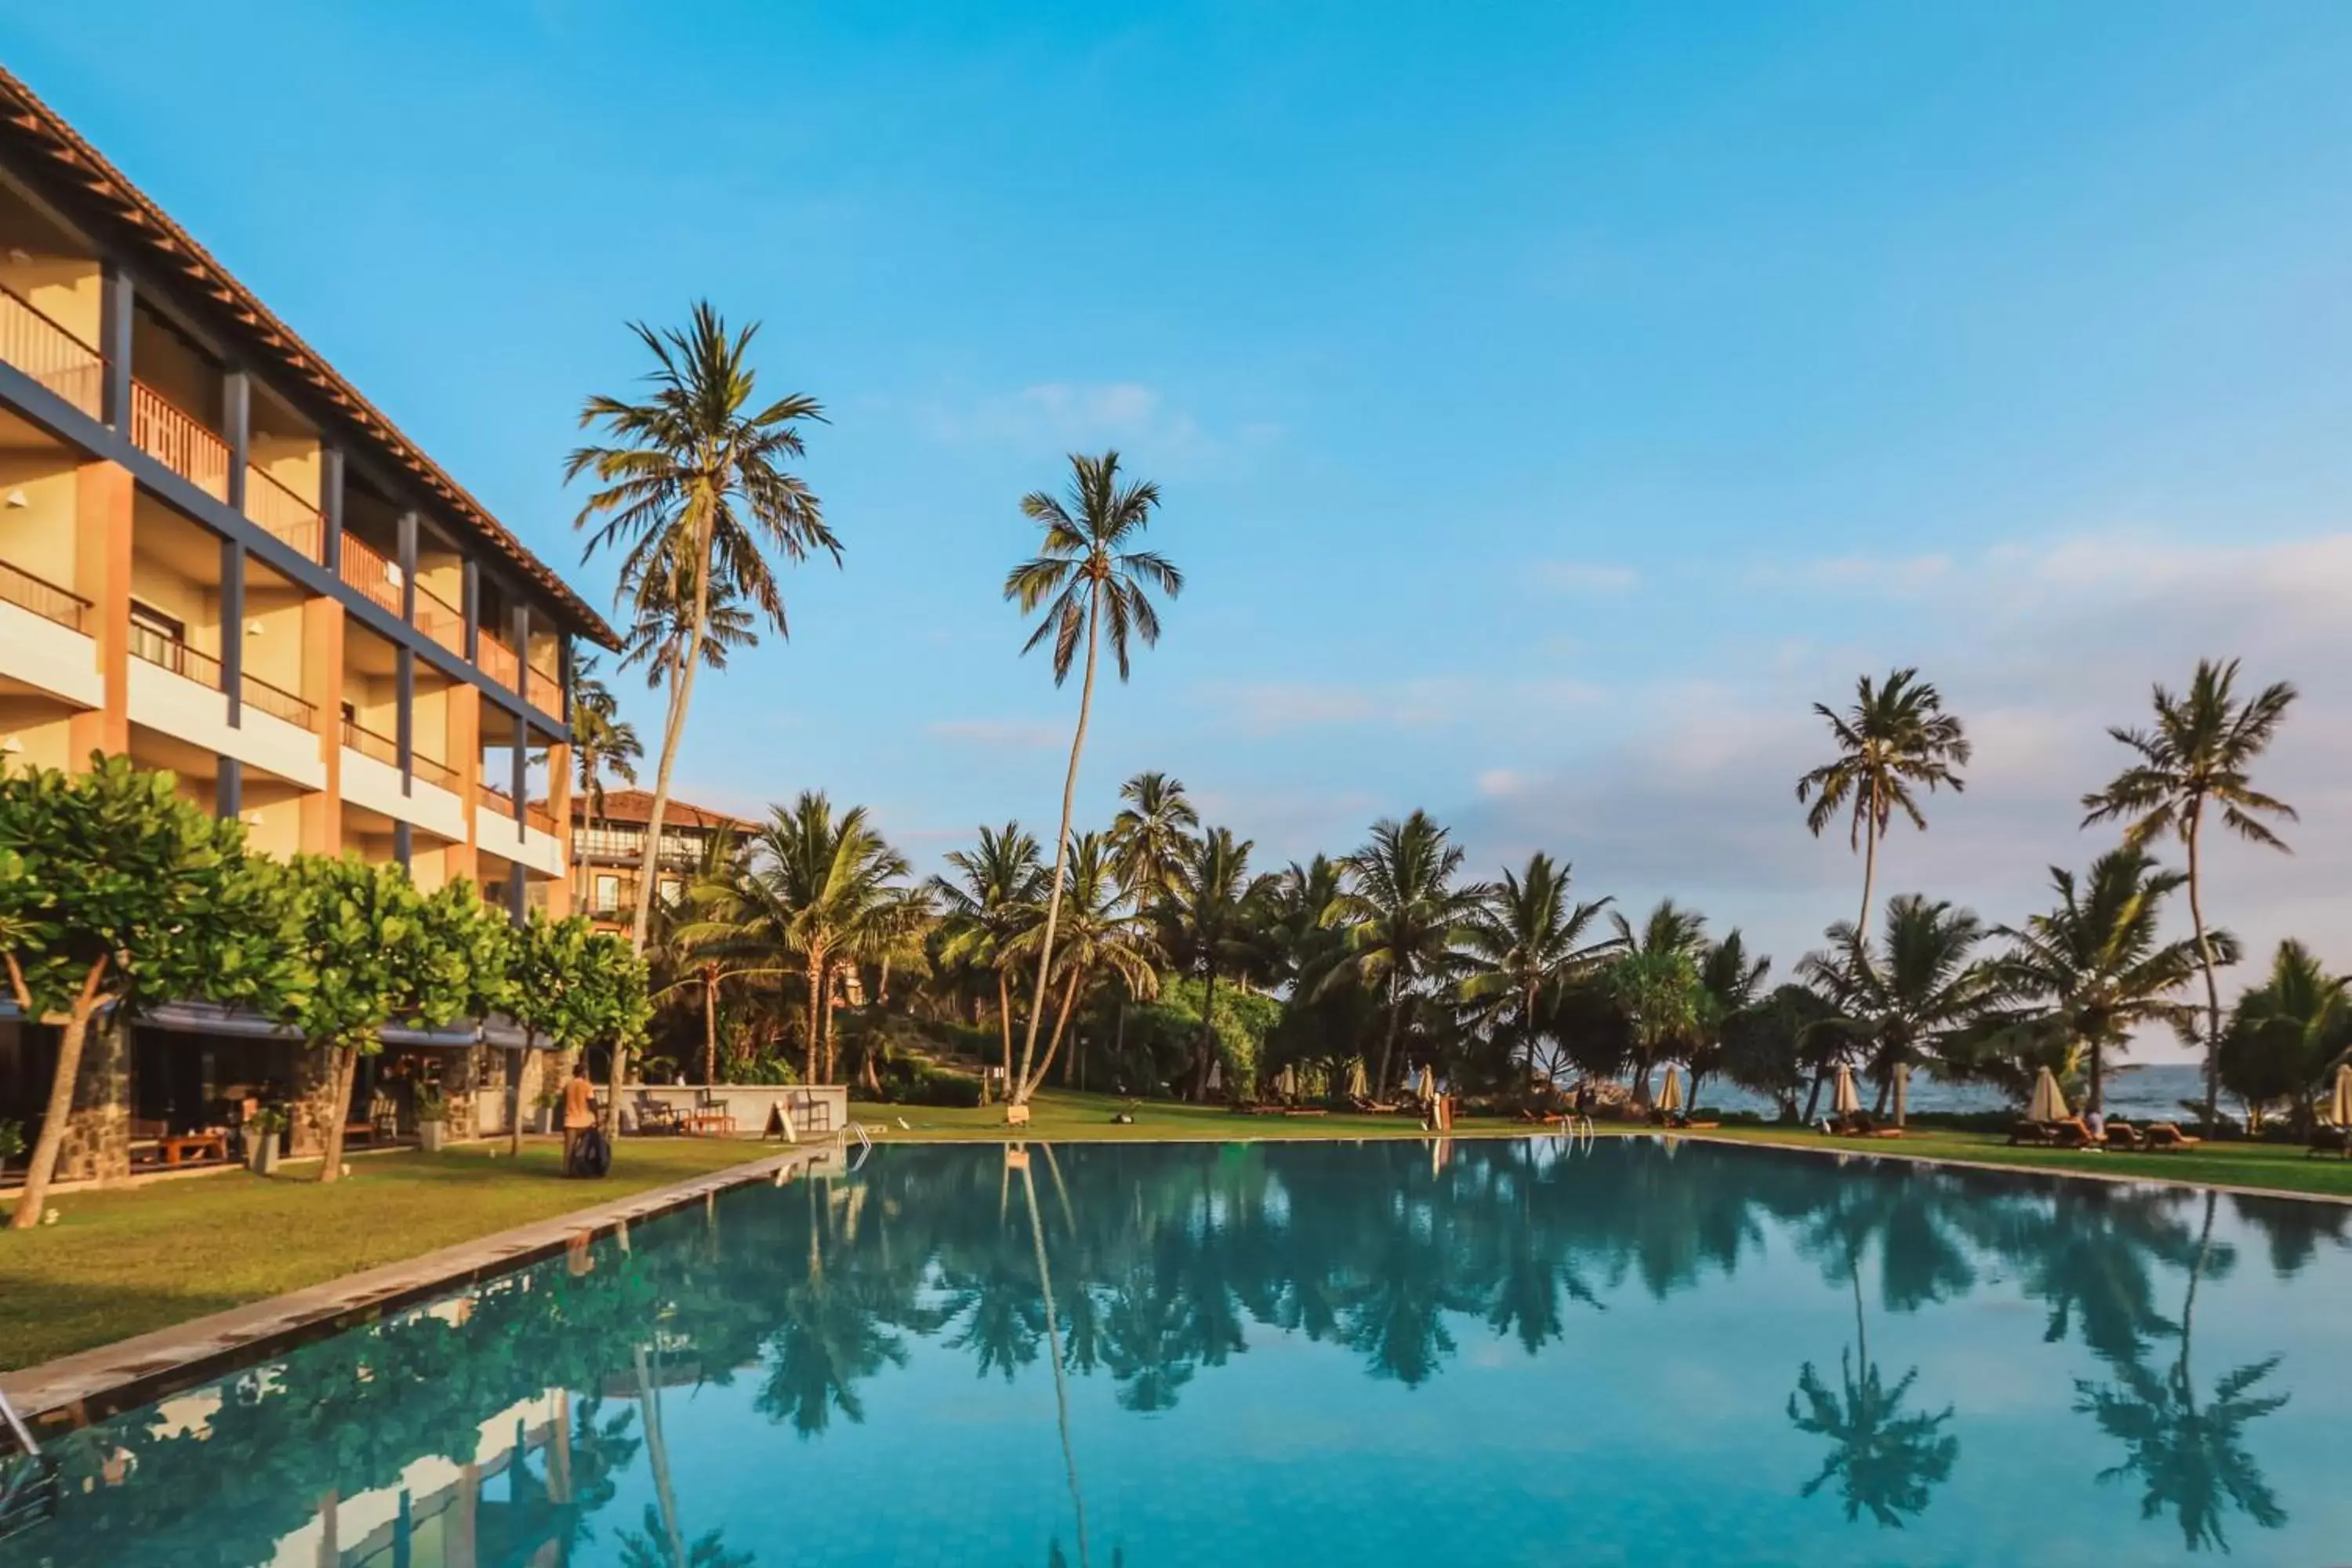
[[1858, 574], [1268, 708], [995, 732], [1587, 577], [1501, 784]]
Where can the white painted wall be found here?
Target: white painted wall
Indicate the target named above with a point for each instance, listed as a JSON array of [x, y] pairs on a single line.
[[39, 652]]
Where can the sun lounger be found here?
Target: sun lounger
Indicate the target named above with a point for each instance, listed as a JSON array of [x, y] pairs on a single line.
[[2163, 1137], [2125, 1136], [2325, 1140]]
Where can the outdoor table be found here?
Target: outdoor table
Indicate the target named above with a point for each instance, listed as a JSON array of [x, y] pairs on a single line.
[[193, 1146]]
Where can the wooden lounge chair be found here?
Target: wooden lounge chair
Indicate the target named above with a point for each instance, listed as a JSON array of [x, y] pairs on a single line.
[[2327, 1140], [2163, 1138], [2124, 1135]]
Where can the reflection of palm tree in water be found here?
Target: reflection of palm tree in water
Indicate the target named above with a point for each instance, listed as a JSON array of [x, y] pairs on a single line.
[[1054, 1354], [638, 1550], [2192, 1459], [1881, 1459]]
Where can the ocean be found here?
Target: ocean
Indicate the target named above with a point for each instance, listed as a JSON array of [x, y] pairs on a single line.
[[2150, 1092]]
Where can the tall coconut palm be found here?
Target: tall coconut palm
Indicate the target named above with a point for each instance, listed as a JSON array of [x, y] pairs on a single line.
[[1206, 929], [819, 893], [994, 900], [1098, 937], [693, 489], [2199, 753], [601, 742], [1149, 835], [1896, 736], [2288, 1036], [1405, 914], [1091, 581], [1528, 938], [1920, 988], [2092, 972]]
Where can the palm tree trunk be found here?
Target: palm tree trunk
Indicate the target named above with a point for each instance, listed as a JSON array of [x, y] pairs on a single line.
[[832, 1062], [1869, 867], [2098, 1077], [815, 1006], [2212, 988], [514, 1097], [681, 697], [1054, 1353], [31, 1202], [1005, 1025], [1388, 1040], [657, 1456], [709, 1024], [1021, 1085], [1054, 1046]]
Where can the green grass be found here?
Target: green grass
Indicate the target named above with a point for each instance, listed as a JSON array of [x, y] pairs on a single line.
[[2273, 1167], [1063, 1115], [133, 1259]]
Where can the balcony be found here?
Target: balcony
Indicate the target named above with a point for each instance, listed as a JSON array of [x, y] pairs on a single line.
[[628, 848], [277, 702], [174, 438], [499, 662], [45, 599], [50, 354], [437, 619], [369, 744], [545, 692], [170, 653], [367, 571], [285, 515], [440, 776]]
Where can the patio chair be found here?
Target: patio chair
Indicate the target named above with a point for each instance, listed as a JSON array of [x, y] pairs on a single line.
[[656, 1115], [2164, 1137], [2124, 1135]]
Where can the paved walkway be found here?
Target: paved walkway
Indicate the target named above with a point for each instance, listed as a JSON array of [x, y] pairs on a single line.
[[90, 1385]]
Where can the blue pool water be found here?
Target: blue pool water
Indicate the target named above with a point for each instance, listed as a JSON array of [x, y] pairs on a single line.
[[1489, 1352]]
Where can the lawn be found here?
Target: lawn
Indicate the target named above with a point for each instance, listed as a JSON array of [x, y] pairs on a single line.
[[127, 1261], [2274, 1167], [1066, 1116]]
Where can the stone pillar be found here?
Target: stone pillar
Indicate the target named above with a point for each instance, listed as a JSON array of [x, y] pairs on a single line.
[[312, 1089], [98, 1130]]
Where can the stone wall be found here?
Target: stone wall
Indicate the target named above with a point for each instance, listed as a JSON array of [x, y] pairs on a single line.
[[98, 1131]]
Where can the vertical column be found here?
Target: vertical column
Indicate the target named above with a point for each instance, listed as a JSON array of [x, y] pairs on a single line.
[[115, 318], [466, 756], [408, 567], [237, 416], [231, 628], [228, 788], [403, 664], [470, 575], [559, 809], [330, 506], [516, 905], [103, 501], [322, 684], [403, 843]]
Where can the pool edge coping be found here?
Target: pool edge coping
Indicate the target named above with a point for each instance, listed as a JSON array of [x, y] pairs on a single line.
[[70, 1392]]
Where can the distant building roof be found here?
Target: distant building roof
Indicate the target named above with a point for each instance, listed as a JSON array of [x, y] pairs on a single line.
[[623, 807]]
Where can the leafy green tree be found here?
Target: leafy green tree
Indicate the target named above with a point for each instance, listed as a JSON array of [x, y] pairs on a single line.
[[2095, 970], [571, 987], [1918, 992], [1730, 979], [1206, 926], [693, 488], [1525, 940], [2287, 1034], [818, 893], [1149, 836], [1091, 579], [378, 952], [1100, 937], [115, 893], [2201, 753], [1774, 1046], [1653, 980], [992, 900], [1405, 915], [1895, 737]]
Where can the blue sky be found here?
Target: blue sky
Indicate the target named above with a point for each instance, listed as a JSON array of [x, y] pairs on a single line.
[[1550, 402]]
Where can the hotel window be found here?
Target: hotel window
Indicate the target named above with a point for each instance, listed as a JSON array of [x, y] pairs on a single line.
[[608, 892]]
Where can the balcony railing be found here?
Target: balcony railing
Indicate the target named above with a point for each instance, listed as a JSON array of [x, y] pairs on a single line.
[[545, 692], [368, 743], [277, 703], [438, 620], [491, 799], [610, 844], [371, 573], [535, 813], [44, 598], [283, 513], [499, 662], [170, 653], [51, 355], [440, 774], [174, 437]]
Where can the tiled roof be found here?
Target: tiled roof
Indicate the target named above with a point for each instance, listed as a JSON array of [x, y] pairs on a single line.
[[29, 123], [623, 807]]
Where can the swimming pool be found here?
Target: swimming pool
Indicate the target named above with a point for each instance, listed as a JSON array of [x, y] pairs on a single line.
[[1476, 1351]]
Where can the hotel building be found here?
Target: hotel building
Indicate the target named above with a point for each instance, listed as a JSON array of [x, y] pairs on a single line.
[[218, 557]]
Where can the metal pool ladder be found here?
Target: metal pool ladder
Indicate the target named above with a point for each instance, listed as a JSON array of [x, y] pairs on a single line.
[[864, 1146], [27, 1498]]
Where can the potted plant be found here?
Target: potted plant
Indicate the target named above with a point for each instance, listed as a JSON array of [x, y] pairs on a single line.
[[432, 1117], [542, 1111], [264, 1139]]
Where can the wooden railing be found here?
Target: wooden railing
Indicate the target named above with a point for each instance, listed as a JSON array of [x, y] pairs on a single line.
[[277, 703], [283, 513], [368, 743], [170, 653], [545, 691], [174, 437], [371, 573], [437, 619], [50, 354], [440, 774], [44, 598], [499, 662], [535, 813]]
